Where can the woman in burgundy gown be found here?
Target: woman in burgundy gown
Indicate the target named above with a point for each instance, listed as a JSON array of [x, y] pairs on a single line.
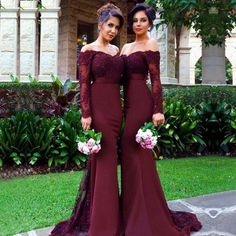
[[97, 211], [145, 211]]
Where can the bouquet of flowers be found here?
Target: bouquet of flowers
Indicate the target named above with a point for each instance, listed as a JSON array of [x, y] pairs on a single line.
[[147, 136], [89, 142]]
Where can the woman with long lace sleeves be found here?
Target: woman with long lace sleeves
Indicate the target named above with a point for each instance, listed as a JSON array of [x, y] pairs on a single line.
[[145, 211], [97, 211], [85, 60], [153, 62]]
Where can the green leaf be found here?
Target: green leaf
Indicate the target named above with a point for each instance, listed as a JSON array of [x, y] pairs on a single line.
[[50, 161]]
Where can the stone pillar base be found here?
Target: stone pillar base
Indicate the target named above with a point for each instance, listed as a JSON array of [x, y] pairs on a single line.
[[45, 78], [234, 76], [5, 78]]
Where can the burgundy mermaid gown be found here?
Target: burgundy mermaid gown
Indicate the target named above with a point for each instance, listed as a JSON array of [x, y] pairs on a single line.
[[96, 211], [145, 211]]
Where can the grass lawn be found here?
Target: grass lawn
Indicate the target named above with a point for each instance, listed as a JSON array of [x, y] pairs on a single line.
[[43, 200]]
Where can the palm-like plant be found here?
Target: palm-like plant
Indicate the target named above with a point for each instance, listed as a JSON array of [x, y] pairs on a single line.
[[230, 134], [212, 125], [177, 135]]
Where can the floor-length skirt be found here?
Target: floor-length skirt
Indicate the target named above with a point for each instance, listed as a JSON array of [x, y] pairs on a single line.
[[145, 210], [97, 211]]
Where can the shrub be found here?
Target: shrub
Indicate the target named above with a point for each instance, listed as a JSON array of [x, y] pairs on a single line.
[[213, 119], [200, 119], [28, 138], [194, 95], [178, 135], [46, 99]]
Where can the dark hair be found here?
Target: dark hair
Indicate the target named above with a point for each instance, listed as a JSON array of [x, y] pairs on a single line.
[[149, 11], [108, 10]]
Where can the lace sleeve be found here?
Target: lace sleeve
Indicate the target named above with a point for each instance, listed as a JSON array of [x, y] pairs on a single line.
[[85, 59], [153, 61]]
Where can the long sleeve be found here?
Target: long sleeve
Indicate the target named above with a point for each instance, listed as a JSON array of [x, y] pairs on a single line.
[[153, 61], [85, 59]]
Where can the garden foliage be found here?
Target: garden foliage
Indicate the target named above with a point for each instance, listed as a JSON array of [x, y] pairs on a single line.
[[44, 126]]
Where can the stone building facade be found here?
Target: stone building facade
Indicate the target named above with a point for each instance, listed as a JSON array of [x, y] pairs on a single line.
[[47, 41]]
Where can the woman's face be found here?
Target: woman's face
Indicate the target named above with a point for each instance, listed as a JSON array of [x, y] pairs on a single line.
[[140, 23], [110, 28]]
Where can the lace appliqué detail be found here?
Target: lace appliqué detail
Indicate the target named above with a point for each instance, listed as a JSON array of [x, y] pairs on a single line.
[[79, 222], [85, 61], [186, 221], [153, 61]]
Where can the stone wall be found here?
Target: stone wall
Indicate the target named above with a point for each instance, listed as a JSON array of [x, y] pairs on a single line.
[[23, 52], [74, 12]]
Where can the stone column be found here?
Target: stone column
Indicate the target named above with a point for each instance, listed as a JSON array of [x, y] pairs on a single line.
[[28, 57], [49, 39], [230, 53], [184, 65], [234, 75], [8, 39], [68, 39], [166, 41], [213, 65], [195, 53], [184, 57]]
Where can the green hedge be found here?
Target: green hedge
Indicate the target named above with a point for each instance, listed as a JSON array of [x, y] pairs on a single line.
[[28, 138], [25, 86], [36, 96], [194, 95]]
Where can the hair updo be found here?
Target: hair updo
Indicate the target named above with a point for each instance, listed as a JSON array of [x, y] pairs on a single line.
[[108, 10], [149, 11]]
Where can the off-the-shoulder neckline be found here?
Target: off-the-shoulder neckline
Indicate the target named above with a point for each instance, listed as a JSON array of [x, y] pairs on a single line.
[[140, 52], [101, 52]]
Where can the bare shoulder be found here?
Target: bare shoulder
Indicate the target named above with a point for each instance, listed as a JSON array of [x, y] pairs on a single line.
[[115, 48], [152, 45], [87, 47], [126, 48]]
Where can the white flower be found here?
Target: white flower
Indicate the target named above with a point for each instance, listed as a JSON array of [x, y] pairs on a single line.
[[86, 150], [149, 133], [91, 142], [146, 138], [80, 146]]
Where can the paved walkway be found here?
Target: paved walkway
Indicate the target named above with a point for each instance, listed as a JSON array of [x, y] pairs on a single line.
[[217, 212]]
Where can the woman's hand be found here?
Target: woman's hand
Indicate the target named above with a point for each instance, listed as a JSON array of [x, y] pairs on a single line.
[[158, 119], [86, 123]]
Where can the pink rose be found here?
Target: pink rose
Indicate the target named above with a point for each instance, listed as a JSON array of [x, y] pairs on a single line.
[[95, 149], [91, 142]]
